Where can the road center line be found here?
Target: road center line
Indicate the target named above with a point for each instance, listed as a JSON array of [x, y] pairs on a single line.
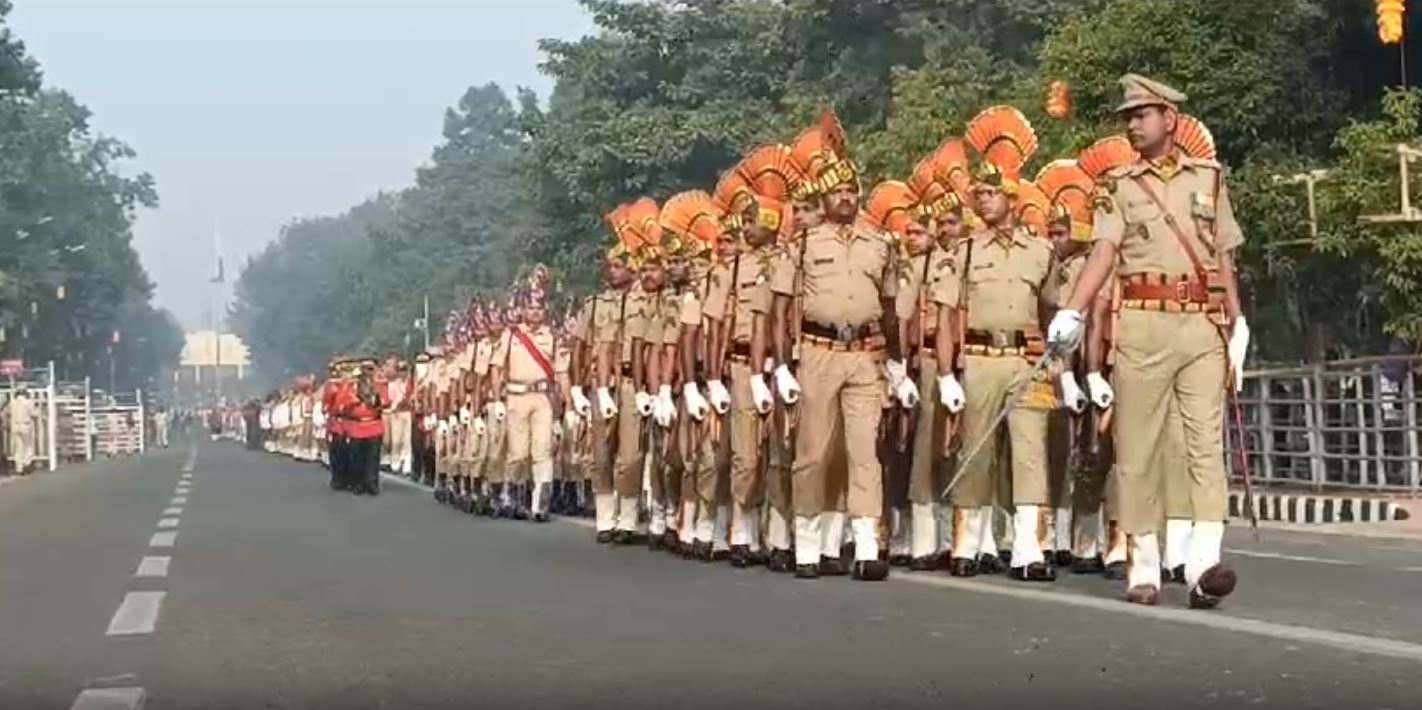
[[163, 539], [137, 614], [153, 567], [1291, 558], [167, 523], [175, 510], [178, 500], [110, 699]]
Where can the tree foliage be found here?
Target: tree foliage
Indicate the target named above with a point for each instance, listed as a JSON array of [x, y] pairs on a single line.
[[70, 281], [663, 95]]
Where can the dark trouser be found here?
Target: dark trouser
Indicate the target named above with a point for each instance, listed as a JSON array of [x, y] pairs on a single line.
[[337, 448], [363, 458]]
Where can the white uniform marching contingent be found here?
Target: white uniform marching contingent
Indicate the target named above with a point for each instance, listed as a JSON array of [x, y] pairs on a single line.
[[966, 372]]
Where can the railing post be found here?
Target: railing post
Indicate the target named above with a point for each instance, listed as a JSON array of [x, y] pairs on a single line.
[[1266, 428], [1409, 399], [1313, 394]]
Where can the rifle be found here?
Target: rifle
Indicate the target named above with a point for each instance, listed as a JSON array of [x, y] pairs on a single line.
[[727, 332], [950, 422], [908, 420], [791, 420]]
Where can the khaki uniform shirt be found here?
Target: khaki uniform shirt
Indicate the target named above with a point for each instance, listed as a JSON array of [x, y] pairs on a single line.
[[1066, 273], [619, 319], [1195, 198], [1008, 279], [847, 270], [717, 291], [522, 367], [945, 277], [483, 355]]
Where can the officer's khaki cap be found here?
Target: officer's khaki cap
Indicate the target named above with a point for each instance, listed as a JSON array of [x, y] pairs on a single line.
[[1141, 91]]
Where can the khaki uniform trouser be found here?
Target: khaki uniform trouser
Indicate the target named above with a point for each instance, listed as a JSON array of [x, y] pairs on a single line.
[[671, 471], [1164, 358], [495, 448], [387, 448], [745, 424], [844, 389], [530, 435], [779, 493], [916, 475], [699, 471], [398, 430], [628, 466], [600, 463], [1022, 464], [22, 446]]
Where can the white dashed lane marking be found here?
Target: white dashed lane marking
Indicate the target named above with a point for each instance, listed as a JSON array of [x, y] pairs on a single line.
[[167, 523], [178, 500], [163, 539], [153, 567], [175, 510], [1291, 558], [137, 614], [110, 699]]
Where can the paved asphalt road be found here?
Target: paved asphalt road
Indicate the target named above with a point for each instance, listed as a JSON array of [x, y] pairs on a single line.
[[282, 594]]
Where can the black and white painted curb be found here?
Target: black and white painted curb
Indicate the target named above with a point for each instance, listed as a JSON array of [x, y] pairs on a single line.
[[1307, 508]]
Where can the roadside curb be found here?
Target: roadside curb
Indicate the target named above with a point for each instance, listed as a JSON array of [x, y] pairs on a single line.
[[1318, 509]]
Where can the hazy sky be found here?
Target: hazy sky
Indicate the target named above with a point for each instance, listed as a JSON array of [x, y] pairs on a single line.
[[249, 113]]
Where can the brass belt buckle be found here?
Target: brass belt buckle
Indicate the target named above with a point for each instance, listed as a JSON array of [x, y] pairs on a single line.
[[1182, 291], [846, 333]]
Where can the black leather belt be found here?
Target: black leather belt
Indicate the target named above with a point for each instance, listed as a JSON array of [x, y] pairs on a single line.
[[626, 369], [996, 338], [741, 347], [841, 333]]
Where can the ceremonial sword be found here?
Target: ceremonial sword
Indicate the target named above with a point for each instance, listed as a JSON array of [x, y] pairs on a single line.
[[1053, 352]]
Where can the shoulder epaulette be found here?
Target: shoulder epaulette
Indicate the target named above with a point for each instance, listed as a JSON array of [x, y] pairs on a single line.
[[1208, 163]]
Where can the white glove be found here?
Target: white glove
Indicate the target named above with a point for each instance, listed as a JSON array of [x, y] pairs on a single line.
[[1072, 396], [1101, 393], [644, 403], [581, 405], [1065, 329], [950, 393], [664, 408], [896, 371], [500, 411], [464, 415], [786, 384], [1238, 348], [443, 426], [907, 393], [720, 398], [696, 405], [605, 405], [760, 393], [480, 427]]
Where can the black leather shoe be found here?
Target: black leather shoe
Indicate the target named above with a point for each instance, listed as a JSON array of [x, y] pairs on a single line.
[[671, 542], [441, 495], [781, 561], [924, 564], [870, 570], [807, 571], [832, 567], [963, 567], [604, 537], [1087, 565], [990, 564], [701, 551], [656, 542], [1035, 572], [1005, 556], [900, 560], [1174, 576], [1215, 584], [621, 537], [1062, 558], [1115, 571], [720, 555], [740, 556], [540, 517]]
